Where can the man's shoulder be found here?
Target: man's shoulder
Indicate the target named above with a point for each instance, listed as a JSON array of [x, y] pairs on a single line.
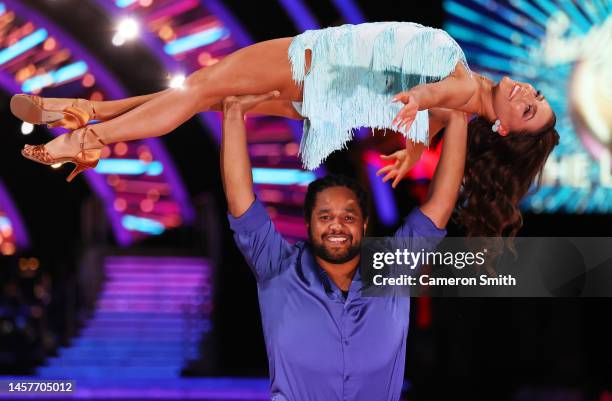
[[417, 223]]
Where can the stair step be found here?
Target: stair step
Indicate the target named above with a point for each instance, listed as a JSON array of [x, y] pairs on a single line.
[[108, 372], [117, 362], [83, 359], [192, 337], [139, 330], [160, 293], [149, 316], [120, 321], [166, 299], [156, 260], [156, 277], [100, 354], [149, 269], [161, 308], [134, 342]]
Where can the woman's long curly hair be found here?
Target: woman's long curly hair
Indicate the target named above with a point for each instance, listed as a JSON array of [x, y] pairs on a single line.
[[499, 171]]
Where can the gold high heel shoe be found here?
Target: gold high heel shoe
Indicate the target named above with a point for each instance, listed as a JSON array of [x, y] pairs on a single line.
[[85, 159], [30, 108]]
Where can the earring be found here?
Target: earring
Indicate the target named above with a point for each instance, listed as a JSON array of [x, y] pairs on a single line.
[[495, 127]]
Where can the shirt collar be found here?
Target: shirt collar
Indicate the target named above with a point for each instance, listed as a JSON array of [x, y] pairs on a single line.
[[330, 288]]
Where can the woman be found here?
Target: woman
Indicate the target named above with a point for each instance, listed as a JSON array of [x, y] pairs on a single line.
[[499, 171], [345, 77]]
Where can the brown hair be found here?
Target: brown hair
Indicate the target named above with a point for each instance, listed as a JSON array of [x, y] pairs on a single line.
[[499, 170]]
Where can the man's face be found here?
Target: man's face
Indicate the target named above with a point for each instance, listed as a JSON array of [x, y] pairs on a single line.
[[336, 225]]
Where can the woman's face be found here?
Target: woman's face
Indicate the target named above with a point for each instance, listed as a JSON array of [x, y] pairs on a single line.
[[520, 107]]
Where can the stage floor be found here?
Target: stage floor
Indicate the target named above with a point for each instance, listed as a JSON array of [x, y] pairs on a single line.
[[202, 389]]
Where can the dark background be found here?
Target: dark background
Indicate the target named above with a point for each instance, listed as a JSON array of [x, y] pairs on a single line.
[[470, 346]]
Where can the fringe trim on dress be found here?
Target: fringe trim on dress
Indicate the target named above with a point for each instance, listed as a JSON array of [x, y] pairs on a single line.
[[355, 72]]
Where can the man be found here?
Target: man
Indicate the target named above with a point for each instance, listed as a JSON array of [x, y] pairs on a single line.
[[325, 341]]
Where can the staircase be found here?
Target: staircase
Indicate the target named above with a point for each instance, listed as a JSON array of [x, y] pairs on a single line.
[[149, 319]]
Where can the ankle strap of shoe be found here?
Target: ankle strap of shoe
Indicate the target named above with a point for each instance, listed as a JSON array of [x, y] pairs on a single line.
[[92, 111], [89, 129]]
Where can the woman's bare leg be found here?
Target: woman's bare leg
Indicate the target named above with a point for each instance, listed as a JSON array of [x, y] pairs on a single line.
[[256, 69], [103, 110], [109, 109]]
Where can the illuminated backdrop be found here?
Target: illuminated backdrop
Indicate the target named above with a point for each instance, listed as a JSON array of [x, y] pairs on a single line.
[[186, 35], [136, 181], [564, 49]]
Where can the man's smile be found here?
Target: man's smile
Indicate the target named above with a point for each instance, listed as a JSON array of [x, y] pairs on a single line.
[[336, 238]]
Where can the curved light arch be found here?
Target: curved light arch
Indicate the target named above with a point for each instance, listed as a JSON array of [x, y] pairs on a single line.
[[279, 180], [299, 12], [349, 11], [167, 177]]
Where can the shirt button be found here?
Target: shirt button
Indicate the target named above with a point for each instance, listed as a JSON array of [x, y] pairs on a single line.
[[346, 378], [345, 341]]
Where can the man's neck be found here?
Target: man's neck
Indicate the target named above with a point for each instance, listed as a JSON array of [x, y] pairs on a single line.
[[340, 273]]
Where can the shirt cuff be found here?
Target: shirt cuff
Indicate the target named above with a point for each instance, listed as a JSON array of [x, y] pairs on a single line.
[[255, 217], [421, 223]]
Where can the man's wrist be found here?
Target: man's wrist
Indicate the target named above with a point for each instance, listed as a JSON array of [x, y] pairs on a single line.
[[232, 106], [458, 119]]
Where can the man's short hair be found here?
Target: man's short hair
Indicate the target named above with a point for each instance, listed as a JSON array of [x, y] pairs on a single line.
[[333, 180]]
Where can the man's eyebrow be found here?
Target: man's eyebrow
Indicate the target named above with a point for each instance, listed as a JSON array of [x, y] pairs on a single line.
[[321, 211]]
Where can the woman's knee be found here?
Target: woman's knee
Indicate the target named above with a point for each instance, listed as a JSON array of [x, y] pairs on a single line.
[[201, 88], [197, 79]]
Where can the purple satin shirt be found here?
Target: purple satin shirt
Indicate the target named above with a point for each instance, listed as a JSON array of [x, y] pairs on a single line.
[[320, 346]]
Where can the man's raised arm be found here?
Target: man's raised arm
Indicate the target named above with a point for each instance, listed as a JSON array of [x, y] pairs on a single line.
[[446, 182], [235, 163]]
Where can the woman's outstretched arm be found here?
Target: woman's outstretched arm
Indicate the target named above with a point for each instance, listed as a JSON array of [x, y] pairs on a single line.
[[453, 92]]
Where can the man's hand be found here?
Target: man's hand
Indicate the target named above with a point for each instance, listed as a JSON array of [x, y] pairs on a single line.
[[244, 103]]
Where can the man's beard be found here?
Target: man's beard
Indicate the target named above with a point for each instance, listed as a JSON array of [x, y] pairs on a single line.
[[319, 249]]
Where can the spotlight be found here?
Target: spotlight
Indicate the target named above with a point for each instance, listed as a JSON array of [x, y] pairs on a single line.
[[177, 81], [27, 128], [126, 29], [118, 40]]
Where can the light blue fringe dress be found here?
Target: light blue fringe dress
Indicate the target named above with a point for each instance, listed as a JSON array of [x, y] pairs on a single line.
[[356, 70]]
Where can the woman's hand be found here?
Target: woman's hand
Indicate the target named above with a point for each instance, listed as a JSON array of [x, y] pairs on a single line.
[[246, 102], [408, 113], [404, 160]]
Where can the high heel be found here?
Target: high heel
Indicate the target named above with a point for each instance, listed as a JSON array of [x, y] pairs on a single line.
[[83, 160], [30, 108]]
